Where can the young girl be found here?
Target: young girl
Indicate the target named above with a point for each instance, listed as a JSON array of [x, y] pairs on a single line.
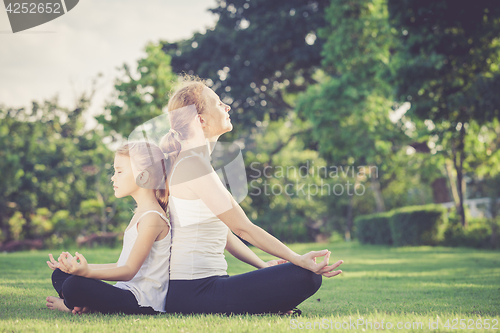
[[143, 266]]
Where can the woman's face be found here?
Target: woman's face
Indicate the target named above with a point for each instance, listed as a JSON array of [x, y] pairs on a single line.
[[216, 116]]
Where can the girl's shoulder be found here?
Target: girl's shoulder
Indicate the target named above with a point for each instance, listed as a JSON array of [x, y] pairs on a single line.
[[151, 215], [154, 215]]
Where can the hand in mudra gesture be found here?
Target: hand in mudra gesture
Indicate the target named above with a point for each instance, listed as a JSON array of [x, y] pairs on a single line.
[[309, 262], [52, 263], [76, 265]]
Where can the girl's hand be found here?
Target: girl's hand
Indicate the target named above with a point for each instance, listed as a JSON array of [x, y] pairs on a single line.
[[73, 266], [53, 264], [276, 262], [308, 261], [64, 261]]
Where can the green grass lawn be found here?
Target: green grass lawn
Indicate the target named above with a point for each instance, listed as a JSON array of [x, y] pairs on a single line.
[[400, 286]]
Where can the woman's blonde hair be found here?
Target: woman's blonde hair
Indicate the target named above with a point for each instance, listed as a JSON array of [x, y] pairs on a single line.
[[145, 156], [186, 95]]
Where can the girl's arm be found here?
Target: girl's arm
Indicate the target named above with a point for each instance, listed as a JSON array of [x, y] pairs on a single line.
[[148, 229], [102, 266], [210, 189], [240, 251], [53, 264]]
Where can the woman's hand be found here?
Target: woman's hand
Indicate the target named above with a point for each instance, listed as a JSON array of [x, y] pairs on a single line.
[[276, 262], [308, 261], [53, 264], [72, 266]]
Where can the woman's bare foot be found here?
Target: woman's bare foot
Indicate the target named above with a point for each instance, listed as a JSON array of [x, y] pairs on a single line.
[[293, 312], [56, 303], [81, 310]]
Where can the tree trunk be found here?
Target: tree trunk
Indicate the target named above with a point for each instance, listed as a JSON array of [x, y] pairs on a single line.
[[377, 193], [458, 161], [494, 222], [349, 220], [5, 229], [28, 227], [440, 190], [452, 180], [102, 215]]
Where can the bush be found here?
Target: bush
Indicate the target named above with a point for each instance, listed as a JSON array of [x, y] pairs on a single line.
[[478, 233], [417, 225], [374, 228]]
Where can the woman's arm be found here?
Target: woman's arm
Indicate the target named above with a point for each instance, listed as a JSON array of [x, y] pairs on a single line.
[[210, 189], [148, 230], [242, 252], [237, 221]]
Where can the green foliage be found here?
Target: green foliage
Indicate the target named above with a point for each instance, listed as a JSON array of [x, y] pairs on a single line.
[[449, 52], [417, 225], [285, 190], [483, 142], [407, 178], [16, 224], [426, 225], [52, 165], [41, 220], [139, 99], [478, 233], [374, 229], [349, 109]]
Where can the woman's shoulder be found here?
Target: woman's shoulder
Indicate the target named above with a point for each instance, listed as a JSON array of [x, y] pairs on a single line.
[[190, 167], [191, 157]]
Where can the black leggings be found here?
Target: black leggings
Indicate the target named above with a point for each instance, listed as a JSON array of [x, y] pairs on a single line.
[[269, 290], [95, 294]]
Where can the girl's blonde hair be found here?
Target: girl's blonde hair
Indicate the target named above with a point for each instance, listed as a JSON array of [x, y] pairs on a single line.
[[145, 156]]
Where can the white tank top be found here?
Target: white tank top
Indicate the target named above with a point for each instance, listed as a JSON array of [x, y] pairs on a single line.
[[198, 240], [150, 284]]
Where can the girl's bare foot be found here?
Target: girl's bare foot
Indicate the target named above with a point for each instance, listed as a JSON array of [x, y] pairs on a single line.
[[81, 310], [56, 303]]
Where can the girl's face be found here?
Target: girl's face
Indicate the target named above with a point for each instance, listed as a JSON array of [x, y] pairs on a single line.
[[123, 178], [216, 115]]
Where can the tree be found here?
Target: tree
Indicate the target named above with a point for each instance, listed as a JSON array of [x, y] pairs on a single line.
[[448, 69], [258, 54], [350, 108]]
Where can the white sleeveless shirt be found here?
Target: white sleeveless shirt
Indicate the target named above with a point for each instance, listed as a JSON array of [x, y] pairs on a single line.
[[150, 284], [198, 240]]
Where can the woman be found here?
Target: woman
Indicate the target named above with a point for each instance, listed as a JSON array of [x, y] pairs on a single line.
[[205, 219]]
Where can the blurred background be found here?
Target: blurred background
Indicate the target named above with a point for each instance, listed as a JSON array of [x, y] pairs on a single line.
[[358, 119]]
